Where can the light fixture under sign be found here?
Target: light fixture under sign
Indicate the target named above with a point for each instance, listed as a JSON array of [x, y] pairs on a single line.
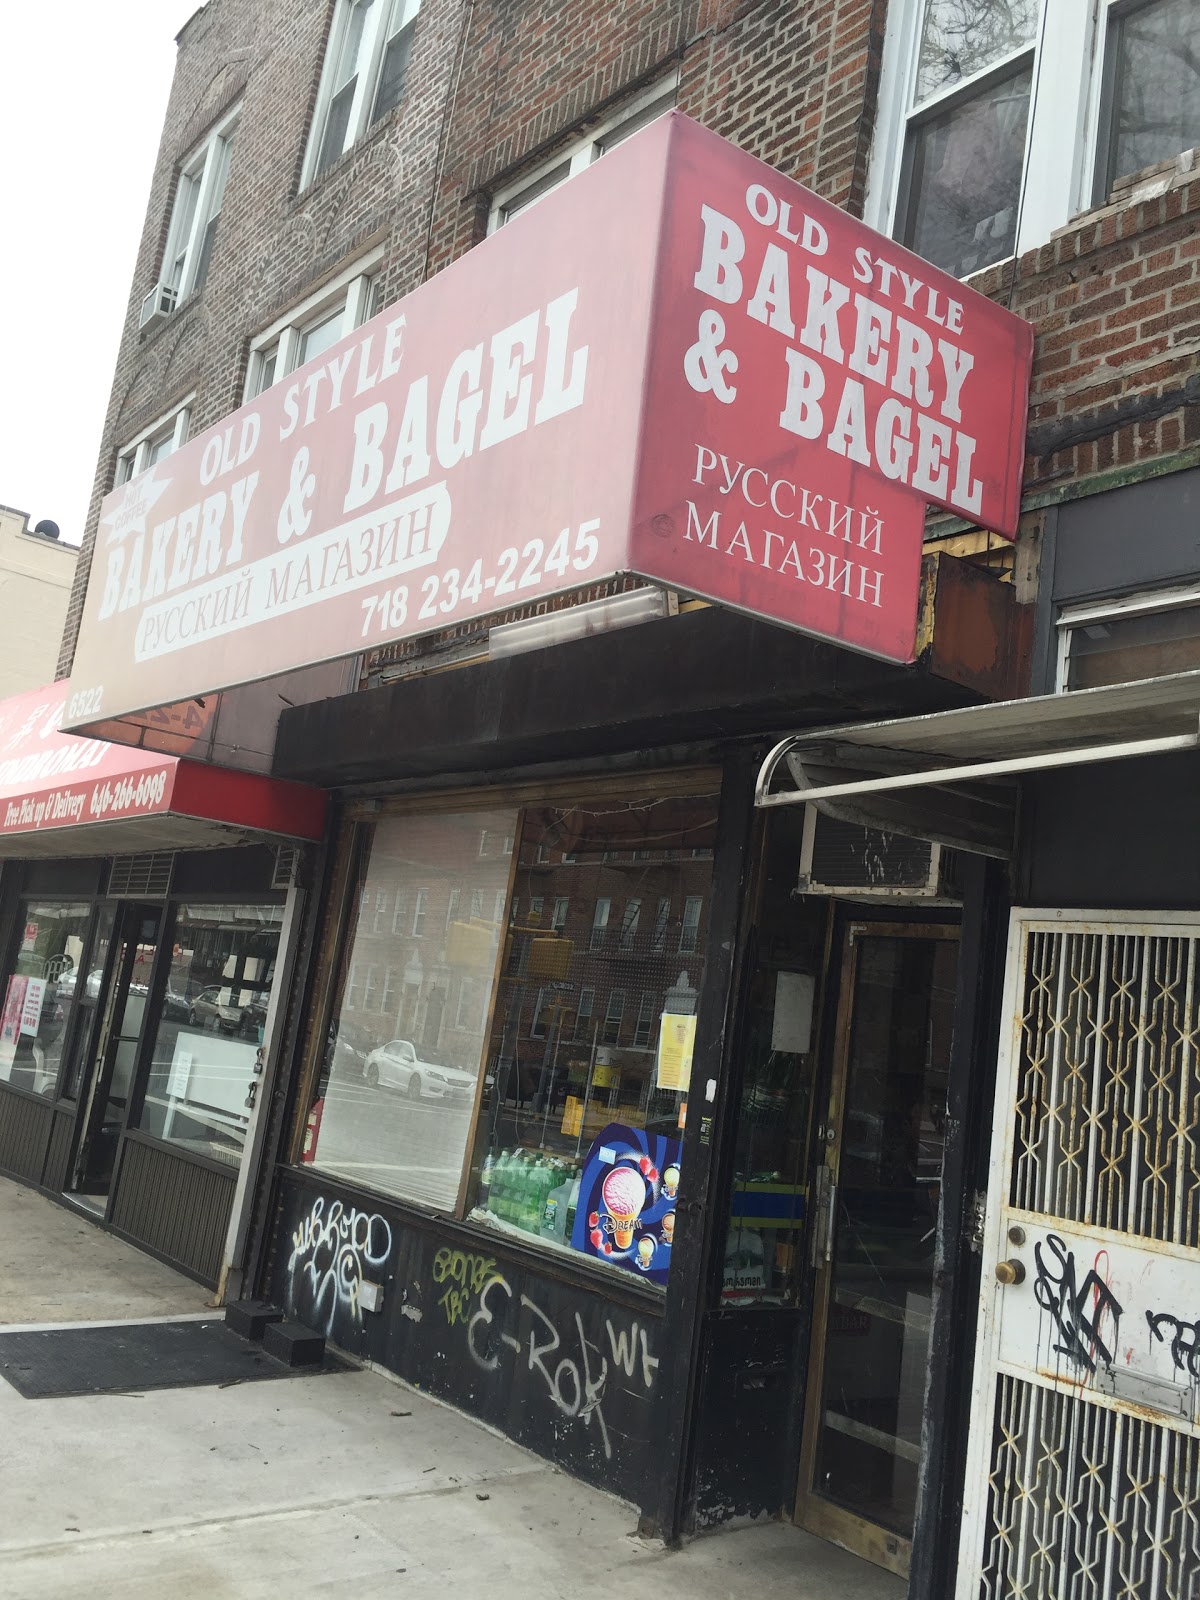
[[580, 622]]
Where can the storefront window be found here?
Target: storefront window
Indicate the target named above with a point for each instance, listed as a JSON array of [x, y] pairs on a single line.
[[405, 1048], [514, 1018], [589, 1060], [207, 1049], [764, 1243], [43, 986]]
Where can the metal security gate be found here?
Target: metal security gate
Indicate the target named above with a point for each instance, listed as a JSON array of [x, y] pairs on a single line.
[[1083, 1476]]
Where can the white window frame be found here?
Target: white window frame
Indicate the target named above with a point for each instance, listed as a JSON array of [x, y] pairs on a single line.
[[1144, 603], [558, 917], [420, 912], [1067, 110], [583, 1013], [539, 181], [400, 912], [133, 458], [204, 168], [371, 53], [353, 288]]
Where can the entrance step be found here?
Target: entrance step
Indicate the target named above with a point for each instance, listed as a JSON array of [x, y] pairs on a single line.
[[251, 1318], [293, 1344]]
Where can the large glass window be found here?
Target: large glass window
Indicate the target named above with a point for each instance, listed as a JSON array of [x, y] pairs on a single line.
[[206, 1054], [525, 1056], [589, 1060], [41, 989], [403, 1059]]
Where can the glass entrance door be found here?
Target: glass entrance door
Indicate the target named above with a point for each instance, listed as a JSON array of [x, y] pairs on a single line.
[[123, 989], [873, 1237]]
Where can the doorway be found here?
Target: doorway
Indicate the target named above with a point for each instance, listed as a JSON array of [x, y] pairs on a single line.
[[873, 1236], [123, 960]]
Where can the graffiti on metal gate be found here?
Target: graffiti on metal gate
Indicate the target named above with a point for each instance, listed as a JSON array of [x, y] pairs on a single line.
[[1078, 1309]]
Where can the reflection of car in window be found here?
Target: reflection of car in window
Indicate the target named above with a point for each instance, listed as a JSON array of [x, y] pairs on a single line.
[[397, 1066]]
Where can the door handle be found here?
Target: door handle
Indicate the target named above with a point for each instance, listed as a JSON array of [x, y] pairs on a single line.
[[1010, 1272]]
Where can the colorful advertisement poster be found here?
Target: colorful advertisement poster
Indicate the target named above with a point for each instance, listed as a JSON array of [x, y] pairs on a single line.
[[627, 1193], [676, 1042], [679, 365], [10, 1023]]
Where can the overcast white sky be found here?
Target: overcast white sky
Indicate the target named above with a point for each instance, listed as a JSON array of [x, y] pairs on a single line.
[[76, 156]]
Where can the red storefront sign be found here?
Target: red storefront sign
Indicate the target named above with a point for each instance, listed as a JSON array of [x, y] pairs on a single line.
[[679, 365], [51, 782]]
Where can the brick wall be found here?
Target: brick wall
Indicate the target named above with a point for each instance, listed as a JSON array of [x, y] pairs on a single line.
[[1115, 300]]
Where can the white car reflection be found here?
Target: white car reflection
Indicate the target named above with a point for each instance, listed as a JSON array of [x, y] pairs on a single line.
[[396, 1065]]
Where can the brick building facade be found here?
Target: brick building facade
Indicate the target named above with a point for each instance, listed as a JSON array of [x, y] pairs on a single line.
[[816, 1027]]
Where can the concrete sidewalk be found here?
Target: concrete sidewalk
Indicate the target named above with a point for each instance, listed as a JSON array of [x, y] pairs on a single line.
[[344, 1482]]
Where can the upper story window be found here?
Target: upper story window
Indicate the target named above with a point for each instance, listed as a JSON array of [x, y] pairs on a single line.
[[162, 438], [1001, 119], [614, 130], [1147, 635], [199, 196], [307, 330], [362, 78]]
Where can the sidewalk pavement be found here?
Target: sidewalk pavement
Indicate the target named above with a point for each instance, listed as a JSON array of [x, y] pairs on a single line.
[[337, 1483]]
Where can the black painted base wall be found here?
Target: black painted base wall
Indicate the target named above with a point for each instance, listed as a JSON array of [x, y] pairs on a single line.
[[569, 1371]]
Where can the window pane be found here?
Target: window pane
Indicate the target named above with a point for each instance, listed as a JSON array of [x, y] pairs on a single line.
[[337, 124], [206, 1052], [590, 1050], [398, 1089], [40, 991], [220, 160], [965, 178], [317, 339], [391, 73], [181, 229], [962, 37], [1157, 76], [1124, 649]]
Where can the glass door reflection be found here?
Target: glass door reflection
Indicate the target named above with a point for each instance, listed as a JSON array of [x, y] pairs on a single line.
[[874, 1236], [122, 1000]]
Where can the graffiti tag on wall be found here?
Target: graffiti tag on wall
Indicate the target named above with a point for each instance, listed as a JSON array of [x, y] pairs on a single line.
[[333, 1249]]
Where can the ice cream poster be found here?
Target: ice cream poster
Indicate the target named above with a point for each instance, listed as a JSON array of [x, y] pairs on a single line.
[[626, 1210]]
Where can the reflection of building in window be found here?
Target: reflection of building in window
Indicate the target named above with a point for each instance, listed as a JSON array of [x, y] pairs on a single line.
[[629, 923], [419, 911], [647, 1015], [610, 1033], [600, 923], [583, 1016], [662, 919], [558, 920], [689, 933]]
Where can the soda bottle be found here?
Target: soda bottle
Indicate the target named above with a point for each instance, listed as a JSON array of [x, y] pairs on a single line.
[[486, 1174]]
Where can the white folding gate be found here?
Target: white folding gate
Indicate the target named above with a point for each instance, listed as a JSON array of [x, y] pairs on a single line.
[[1083, 1477]]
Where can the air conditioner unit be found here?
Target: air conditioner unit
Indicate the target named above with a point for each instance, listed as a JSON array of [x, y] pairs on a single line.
[[861, 863], [158, 305]]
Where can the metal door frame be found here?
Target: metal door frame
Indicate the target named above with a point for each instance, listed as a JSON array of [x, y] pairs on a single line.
[[100, 1041], [812, 1511], [1023, 922]]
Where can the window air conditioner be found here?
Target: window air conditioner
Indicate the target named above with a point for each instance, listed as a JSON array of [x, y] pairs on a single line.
[[157, 306], [862, 863]]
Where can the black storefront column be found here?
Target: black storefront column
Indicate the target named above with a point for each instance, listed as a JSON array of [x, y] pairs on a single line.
[[707, 1150], [969, 1108]]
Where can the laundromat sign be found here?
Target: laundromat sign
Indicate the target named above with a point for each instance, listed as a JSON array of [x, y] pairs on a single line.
[[680, 365]]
